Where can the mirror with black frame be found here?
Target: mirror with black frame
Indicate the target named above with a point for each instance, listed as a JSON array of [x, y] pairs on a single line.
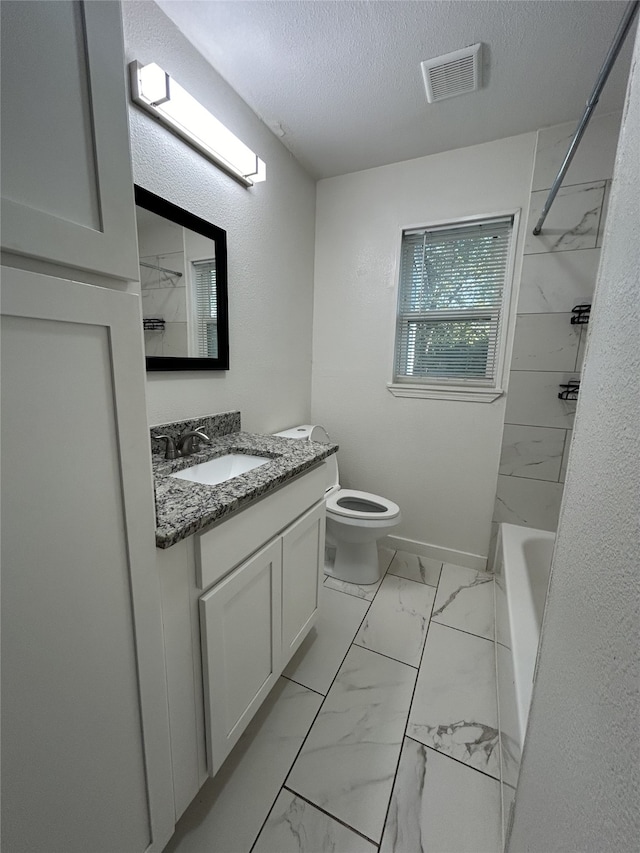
[[183, 276]]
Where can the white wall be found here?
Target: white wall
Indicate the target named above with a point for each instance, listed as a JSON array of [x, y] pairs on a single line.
[[270, 235], [437, 459], [580, 774]]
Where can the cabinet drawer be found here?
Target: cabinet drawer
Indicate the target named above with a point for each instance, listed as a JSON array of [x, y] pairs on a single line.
[[224, 546]]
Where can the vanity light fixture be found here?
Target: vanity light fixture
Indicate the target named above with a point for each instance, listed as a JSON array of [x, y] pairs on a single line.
[[157, 93]]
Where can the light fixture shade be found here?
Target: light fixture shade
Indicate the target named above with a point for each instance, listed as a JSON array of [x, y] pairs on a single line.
[[156, 92], [153, 84]]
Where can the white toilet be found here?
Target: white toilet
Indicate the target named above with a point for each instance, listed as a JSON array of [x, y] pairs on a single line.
[[355, 520]]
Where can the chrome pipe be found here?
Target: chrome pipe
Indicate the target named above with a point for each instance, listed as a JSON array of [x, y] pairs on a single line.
[[616, 45]]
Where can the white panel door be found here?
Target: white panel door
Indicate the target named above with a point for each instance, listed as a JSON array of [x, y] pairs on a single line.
[[240, 622], [86, 762], [67, 190], [302, 573]]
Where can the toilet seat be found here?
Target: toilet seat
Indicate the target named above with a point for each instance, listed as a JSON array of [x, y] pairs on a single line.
[[353, 504]]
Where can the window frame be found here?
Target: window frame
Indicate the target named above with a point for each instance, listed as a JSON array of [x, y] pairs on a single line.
[[469, 390], [192, 307]]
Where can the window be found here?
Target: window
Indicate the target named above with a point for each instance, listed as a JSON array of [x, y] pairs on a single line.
[[451, 306], [206, 308]]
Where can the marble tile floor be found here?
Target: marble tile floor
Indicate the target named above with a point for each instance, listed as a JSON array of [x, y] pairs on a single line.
[[380, 736]]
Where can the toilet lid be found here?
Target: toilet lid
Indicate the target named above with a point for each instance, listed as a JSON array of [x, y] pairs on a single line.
[[353, 504]]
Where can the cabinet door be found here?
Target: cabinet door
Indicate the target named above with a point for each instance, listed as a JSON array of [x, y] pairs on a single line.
[[241, 649], [86, 762], [302, 571], [67, 191]]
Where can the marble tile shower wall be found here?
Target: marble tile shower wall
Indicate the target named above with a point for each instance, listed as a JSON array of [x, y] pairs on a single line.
[[559, 271], [165, 296]]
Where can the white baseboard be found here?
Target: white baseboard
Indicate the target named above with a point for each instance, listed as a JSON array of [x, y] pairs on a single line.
[[434, 552]]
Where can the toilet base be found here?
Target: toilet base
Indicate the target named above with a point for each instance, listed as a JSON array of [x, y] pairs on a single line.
[[356, 562]]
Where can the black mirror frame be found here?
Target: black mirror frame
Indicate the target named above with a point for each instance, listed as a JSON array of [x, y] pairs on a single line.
[[162, 207]]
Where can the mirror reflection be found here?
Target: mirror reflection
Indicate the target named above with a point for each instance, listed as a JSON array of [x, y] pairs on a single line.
[[183, 287]]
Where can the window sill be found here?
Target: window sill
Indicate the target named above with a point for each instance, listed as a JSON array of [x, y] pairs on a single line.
[[429, 392]]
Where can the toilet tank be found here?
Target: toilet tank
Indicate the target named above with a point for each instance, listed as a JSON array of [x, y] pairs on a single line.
[[316, 432]]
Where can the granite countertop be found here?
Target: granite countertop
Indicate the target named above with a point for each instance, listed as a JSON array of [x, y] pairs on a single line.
[[184, 507]]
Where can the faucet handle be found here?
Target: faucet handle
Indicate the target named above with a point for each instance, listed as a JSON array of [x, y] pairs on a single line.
[[170, 446]]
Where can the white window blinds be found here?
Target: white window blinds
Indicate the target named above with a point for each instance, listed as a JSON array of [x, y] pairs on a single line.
[[450, 303], [206, 307]]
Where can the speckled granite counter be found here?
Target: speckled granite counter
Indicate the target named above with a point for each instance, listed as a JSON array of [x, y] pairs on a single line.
[[184, 508]]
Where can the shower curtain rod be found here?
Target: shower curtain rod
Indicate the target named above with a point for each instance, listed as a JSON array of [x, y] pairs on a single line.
[[164, 269], [607, 65]]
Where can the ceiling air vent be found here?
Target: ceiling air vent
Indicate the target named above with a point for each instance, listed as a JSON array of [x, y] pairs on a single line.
[[452, 74]]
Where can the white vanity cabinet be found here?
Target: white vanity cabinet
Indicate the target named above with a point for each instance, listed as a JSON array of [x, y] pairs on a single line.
[[238, 600], [252, 622]]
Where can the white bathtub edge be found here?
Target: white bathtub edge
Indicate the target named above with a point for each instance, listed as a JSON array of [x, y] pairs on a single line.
[[524, 626]]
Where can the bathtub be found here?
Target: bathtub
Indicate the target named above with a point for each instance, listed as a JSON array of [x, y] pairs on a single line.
[[521, 566], [523, 562]]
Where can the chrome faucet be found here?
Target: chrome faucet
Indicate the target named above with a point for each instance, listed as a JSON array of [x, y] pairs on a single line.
[[188, 443]]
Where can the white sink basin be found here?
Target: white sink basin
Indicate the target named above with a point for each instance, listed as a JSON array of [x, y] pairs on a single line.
[[222, 468]]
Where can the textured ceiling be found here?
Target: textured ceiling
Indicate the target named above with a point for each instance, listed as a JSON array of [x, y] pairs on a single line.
[[340, 81]]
